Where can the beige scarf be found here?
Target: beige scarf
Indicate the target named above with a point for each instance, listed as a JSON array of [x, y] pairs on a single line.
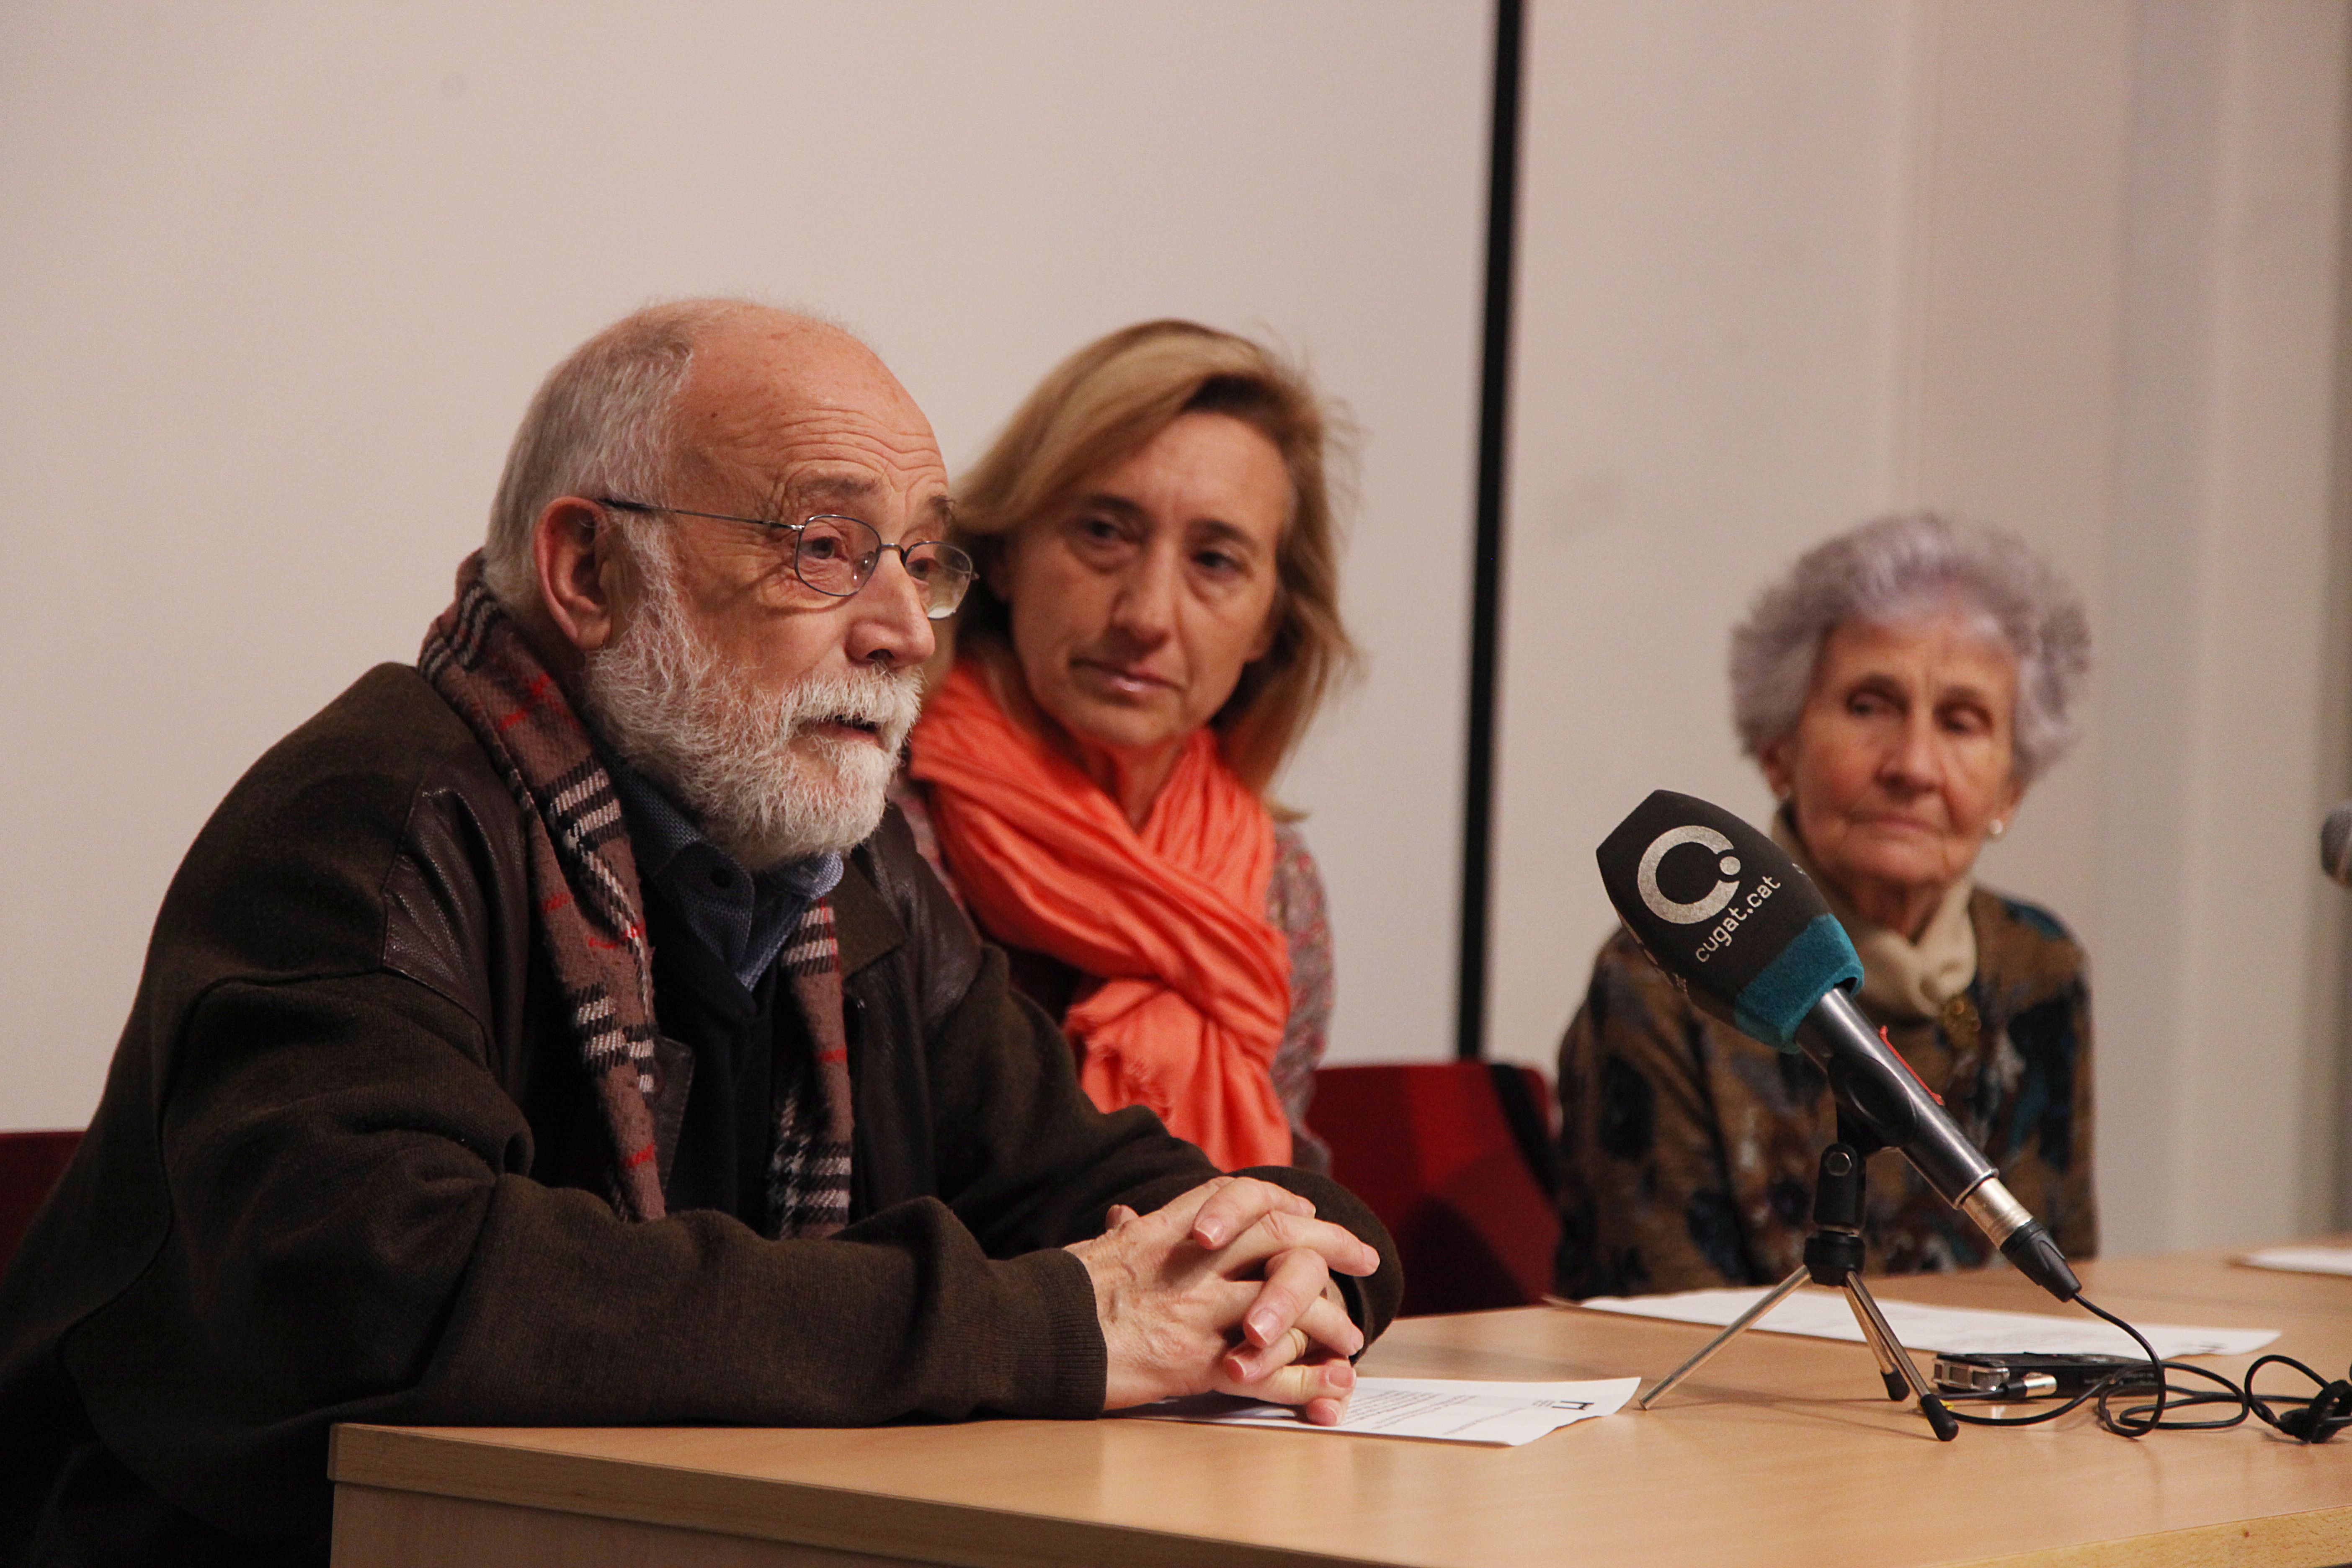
[[1900, 978]]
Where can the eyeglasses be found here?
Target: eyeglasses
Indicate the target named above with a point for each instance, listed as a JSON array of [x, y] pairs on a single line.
[[836, 555]]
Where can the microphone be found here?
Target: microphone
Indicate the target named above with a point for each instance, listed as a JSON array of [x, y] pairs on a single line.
[[2336, 844], [1749, 938]]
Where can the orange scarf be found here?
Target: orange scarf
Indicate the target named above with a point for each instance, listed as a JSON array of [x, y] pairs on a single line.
[[1194, 981]]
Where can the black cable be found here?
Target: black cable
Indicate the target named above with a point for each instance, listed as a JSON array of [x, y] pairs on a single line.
[[2316, 1417], [2131, 1421], [2138, 1420], [2127, 1380], [2035, 1419], [2306, 1418], [2125, 1424]]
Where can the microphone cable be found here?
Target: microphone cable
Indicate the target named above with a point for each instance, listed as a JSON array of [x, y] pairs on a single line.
[[2307, 1418]]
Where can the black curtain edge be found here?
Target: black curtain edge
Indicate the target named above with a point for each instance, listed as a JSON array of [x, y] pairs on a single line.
[[1487, 561]]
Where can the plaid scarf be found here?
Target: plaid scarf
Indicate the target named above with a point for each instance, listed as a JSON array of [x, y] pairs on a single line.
[[591, 921]]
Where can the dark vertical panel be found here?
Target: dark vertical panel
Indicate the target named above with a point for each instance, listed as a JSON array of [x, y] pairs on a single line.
[[1486, 568]]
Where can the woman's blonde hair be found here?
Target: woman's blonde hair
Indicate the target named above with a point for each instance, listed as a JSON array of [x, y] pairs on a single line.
[[1104, 404]]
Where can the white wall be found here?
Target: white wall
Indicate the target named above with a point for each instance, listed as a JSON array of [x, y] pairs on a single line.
[[1712, 266], [2227, 708], [276, 281], [2068, 267]]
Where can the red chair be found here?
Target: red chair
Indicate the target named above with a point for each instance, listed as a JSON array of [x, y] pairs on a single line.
[[1455, 1158], [30, 1164]]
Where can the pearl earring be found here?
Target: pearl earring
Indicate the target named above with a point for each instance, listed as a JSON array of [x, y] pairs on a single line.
[[1995, 827]]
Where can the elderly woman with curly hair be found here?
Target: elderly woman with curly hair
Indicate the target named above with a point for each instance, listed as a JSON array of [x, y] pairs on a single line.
[[1156, 622], [1901, 689]]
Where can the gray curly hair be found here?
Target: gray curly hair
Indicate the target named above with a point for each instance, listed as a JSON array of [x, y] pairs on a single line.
[[1894, 569]]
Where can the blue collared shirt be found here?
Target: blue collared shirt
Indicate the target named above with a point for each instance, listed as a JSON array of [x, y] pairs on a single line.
[[744, 918]]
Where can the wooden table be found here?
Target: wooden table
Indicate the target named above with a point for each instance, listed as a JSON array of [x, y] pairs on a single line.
[[1783, 1450]]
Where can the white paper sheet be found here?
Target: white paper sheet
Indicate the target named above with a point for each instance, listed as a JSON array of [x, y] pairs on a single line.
[[1448, 1410], [2303, 1260], [1824, 1315]]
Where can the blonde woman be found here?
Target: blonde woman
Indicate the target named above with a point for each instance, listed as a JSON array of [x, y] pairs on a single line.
[[1156, 622]]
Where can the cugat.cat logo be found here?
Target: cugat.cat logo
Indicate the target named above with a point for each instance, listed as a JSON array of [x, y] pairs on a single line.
[[1697, 909]]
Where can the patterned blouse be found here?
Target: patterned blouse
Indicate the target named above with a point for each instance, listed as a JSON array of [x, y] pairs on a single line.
[[1688, 1149], [1294, 903]]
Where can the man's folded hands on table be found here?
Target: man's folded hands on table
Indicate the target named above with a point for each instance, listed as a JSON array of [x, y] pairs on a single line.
[[1227, 1289]]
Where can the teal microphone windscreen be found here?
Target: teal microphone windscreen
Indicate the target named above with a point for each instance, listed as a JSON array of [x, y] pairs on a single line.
[[1726, 914]]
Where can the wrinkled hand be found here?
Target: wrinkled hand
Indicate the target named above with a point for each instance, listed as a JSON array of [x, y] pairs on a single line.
[[1227, 1289]]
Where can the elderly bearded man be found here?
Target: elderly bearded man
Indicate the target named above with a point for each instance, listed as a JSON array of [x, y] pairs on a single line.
[[491, 1067]]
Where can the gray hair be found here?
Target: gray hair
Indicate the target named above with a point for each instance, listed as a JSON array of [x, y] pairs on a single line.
[[599, 425], [1895, 569]]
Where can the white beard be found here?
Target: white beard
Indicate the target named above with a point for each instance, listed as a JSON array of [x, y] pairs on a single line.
[[744, 763]]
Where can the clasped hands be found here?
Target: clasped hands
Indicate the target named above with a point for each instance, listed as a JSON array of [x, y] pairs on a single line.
[[1227, 1289]]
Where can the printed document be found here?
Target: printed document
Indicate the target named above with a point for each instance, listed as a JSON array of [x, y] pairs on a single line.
[[1824, 1315], [1449, 1410], [2303, 1260]]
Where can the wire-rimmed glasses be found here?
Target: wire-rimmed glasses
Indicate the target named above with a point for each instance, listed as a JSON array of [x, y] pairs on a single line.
[[836, 555]]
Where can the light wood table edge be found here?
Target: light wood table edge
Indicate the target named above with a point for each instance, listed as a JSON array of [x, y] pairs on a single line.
[[2321, 1538], [444, 1462]]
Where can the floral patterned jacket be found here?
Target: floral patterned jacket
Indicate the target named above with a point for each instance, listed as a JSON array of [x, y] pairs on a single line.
[[1688, 1149]]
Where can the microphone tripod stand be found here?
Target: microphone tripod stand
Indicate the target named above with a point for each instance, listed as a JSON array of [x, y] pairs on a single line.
[[1833, 1257]]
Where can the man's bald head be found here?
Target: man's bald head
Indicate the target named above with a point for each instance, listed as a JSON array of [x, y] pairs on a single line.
[[647, 535], [612, 420]]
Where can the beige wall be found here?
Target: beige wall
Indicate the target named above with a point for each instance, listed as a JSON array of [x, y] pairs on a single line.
[[2070, 268], [2226, 704], [277, 279]]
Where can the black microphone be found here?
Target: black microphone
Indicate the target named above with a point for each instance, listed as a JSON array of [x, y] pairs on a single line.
[[1751, 941], [2336, 844]]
